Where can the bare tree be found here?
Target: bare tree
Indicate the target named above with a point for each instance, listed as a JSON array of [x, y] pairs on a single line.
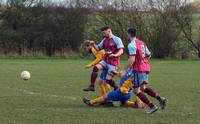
[[188, 20]]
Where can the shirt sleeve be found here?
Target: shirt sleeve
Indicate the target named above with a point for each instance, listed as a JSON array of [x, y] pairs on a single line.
[[132, 49], [100, 45], [118, 42]]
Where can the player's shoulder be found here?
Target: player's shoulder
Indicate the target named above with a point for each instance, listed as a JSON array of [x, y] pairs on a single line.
[[116, 38], [103, 40], [132, 44], [140, 41]]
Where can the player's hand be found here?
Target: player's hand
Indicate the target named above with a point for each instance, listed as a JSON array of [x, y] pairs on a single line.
[[92, 42], [115, 72], [87, 66], [113, 55]]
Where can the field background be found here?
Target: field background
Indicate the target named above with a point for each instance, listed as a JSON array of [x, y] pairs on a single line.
[[54, 93]]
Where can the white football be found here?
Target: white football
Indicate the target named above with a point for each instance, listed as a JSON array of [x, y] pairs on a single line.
[[25, 75]]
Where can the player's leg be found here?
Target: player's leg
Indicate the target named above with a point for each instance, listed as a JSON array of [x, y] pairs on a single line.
[[101, 87], [112, 96], [145, 79], [154, 94], [138, 102], [107, 87], [110, 75], [93, 78], [128, 103], [104, 87], [152, 108], [132, 104], [138, 80], [111, 82], [102, 82], [95, 102]]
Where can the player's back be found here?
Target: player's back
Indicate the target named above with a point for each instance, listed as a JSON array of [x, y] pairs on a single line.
[[141, 58]]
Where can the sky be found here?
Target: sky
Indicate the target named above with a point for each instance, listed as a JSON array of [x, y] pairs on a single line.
[[59, 1]]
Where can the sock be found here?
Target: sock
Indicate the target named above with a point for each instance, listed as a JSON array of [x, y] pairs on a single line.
[[107, 88], [138, 100], [97, 100], [145, 99], [102, 89], [94, 76], [152, 93], [130, 103], [112, 84]]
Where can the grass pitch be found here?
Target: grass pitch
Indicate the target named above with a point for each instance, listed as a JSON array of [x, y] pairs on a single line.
[[54, 92]]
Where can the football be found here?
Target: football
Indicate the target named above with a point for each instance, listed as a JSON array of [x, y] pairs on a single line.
[[25, 75]]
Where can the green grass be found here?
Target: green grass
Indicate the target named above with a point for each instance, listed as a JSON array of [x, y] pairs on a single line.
[[53, 95]]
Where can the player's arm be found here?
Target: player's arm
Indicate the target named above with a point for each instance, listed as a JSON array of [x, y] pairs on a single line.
[[131, 62], [132, 52], [99, 55], [147, 52], [120, 48], [96, 47], [96, 61], [99, 46], [119, 53]]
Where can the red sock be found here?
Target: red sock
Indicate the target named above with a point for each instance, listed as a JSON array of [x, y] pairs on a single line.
[[152, 93], [94, 76], [145, 99]]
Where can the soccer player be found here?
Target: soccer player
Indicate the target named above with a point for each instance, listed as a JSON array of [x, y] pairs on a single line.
[[88, 48], [139, 61], [122, 94], [113, 47]]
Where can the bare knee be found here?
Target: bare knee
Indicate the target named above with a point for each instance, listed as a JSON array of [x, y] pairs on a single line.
[[143, 87]]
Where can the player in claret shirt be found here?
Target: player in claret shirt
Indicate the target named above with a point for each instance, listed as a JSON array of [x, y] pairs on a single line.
[[113, 47], [139, 61]]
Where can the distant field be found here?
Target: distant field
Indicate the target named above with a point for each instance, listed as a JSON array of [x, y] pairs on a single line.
[[54, 93]]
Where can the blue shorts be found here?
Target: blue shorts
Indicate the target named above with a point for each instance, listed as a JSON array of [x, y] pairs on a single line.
[[116, 95], [140, 78], [108, 67], [103, 74]]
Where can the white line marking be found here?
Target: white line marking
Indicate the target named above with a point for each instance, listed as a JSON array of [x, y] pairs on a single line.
[[40, 94]]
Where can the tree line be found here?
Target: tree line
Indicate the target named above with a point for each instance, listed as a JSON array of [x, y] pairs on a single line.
[[171, 28]]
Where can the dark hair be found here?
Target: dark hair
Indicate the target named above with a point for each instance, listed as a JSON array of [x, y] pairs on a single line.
[[132, 32], [105, 28]]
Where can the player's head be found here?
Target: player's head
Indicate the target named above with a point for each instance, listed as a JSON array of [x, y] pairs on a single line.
[[87, 46], [131, 32], [106, 31]]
